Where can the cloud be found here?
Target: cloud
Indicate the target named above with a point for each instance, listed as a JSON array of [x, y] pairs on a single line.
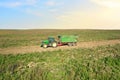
[[31, 2], [50, 3], [18, 3], [100, 19], [33, 12], [108, 3], [53, 10], [53, 3], [10, 4]]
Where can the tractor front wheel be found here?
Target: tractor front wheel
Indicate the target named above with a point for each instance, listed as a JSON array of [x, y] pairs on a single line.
[[44, 46]]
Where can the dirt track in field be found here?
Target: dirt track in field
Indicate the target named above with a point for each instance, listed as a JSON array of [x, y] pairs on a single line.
[[30, 49]]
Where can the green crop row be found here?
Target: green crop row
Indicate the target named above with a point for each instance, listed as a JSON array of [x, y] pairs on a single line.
[[101, 63], [13, 38]]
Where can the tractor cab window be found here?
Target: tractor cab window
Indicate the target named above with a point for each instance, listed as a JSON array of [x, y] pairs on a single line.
[[51, 39]]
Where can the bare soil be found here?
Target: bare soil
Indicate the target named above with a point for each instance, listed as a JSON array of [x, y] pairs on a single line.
[[30, 49]]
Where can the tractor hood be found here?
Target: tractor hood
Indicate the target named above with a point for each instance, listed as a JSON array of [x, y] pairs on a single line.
[[45, 41]]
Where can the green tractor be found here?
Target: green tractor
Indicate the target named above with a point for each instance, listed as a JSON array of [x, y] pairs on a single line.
[[70, 40], [50, 42]]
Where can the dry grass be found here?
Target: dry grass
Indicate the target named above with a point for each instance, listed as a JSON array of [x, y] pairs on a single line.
[[101, 63]]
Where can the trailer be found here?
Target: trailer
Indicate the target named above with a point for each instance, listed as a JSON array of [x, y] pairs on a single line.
[[70, 40]]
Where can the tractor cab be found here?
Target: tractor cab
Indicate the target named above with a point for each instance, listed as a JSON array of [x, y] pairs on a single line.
[[50, 42], [51, 39]]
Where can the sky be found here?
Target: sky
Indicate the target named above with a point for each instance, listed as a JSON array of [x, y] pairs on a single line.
[[59, 14]]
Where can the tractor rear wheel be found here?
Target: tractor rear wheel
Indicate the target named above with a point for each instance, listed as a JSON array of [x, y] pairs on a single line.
[[45, 46], [54, 44]]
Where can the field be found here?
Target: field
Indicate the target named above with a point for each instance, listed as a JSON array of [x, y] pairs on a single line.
[[97, 56], [13, 38]]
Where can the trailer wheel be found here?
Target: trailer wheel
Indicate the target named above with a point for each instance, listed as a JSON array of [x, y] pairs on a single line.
[[69, 44], [45, 46], [54, 44], [74, 44]]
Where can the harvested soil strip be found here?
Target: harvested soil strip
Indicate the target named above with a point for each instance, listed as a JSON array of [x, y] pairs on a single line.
[[30, 49]]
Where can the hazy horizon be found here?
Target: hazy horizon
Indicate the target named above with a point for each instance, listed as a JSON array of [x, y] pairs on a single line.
[[62, 14]]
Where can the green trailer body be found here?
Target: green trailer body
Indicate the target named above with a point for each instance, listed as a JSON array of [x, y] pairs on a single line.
[[67, 38], [70, 40]]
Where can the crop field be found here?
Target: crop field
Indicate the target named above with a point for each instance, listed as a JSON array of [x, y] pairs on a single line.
[[13, 38], [96, 57]]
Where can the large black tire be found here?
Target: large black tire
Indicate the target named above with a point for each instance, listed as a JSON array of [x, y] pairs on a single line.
[[54, 44], [45, 46]]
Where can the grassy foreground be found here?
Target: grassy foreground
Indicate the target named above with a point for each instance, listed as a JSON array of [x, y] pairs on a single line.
[[101, 63], [13, 38]]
